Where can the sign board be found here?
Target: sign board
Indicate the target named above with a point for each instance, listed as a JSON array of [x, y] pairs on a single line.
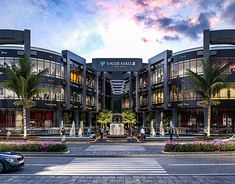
[[117, 64]]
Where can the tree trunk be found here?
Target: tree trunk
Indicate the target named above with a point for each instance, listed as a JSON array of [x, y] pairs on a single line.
[[24, 123], [209, 121]]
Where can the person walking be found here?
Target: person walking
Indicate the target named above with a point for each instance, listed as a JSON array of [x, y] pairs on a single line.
[[171, 133], [101, 133], [142, 134], [63, 135]]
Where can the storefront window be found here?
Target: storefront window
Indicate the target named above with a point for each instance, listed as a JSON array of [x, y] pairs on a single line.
[[42, 119], [158, 96], [143, 100], [157, 75], [90, 101]]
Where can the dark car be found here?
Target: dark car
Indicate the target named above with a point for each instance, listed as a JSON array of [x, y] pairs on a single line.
[[10, 161]]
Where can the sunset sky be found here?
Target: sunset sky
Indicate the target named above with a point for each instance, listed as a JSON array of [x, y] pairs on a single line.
[[117, 28]]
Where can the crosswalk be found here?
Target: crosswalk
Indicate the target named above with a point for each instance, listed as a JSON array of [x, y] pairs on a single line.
[[108, 166]]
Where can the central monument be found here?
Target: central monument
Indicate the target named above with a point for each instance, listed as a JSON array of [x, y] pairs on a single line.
[[117, 128]]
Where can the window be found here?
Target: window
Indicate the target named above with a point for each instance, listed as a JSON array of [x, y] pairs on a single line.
[[53, 69], [200, 66], [35, 65], [158, 96], [40, 65], [193, 65]]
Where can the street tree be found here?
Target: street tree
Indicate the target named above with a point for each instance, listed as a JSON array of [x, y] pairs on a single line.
[[24, 83], [208, 85], [104, 117], [129, 117]]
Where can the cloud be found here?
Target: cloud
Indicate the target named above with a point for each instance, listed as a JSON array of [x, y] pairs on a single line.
[[171, 38], [229, 13]]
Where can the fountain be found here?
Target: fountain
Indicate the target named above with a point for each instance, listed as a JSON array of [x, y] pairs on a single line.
[[81, 129], [117, 128], [72, 130], [152, 130], [162, 131]]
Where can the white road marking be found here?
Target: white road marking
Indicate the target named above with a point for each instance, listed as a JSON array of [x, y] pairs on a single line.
[[107, 166]]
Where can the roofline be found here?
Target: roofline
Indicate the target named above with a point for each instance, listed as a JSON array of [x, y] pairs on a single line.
[[217, 47], [32, 48]]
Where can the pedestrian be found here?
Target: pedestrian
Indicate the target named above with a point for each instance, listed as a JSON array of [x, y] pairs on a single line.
[[171, 133], [63, 135], [142, 134], [101, 132], [177, 131]]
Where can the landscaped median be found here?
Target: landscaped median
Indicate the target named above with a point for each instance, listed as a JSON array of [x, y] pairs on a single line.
[[22, 146], [199, 147]]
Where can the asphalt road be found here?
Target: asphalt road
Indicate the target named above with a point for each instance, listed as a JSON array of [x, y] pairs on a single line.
[[127, 166]]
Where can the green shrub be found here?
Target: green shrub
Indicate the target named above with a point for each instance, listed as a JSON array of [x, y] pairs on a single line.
[[33, 147], [199, 147]]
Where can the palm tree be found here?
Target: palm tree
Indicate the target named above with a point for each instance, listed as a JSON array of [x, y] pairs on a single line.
[[104, 117], [24, 82], [129, 118], [208, 85]]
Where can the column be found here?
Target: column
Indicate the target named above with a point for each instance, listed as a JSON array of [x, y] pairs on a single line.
[[103, 91], [174, 117], [205, 117], [59, 117], [27, 118]]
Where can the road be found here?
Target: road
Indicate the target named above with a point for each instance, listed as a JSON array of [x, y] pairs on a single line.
[[144, 169]]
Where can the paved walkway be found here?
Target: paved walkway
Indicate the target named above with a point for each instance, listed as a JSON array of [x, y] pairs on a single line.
[[118, 179]]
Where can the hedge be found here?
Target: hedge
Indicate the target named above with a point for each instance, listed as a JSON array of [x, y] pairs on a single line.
[[199, 147], [33, 147]]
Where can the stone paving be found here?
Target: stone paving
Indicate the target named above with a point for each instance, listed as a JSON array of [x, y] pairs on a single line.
[[117, 179]]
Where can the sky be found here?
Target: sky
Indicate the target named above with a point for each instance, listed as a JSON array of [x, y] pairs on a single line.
[[117, 28]]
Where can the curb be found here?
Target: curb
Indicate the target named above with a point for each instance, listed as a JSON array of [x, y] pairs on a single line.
[[228, 153]]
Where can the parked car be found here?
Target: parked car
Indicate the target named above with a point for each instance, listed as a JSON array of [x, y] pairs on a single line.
[[10, 161], [225, 140]]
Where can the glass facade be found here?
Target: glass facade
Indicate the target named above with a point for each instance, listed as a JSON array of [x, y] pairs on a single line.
[[179, 69], [55, 70], [158, 96], [157, 73]]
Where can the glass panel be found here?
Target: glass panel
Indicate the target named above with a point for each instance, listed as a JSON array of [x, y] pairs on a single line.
[[47, 65], [181, 69], [186, 66], [53, 69], [35, 65], [58, 71], [40, 65], [9, 61], [193, 65], [200, 66], [62, 71]]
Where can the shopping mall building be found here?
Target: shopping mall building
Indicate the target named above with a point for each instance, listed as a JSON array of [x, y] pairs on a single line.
[[77, 90]]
